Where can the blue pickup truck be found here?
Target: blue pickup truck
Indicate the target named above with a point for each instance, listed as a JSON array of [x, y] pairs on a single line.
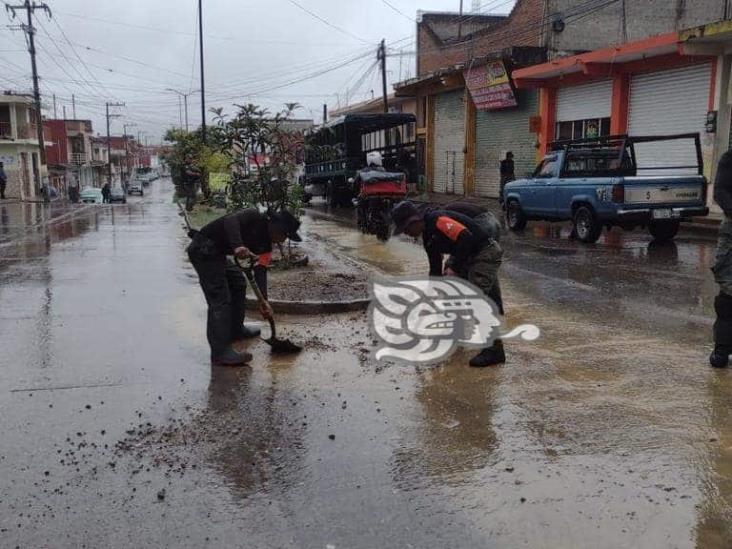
[[598, 183]]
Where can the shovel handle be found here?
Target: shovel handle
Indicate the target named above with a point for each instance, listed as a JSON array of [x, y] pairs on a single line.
[[255, 287]]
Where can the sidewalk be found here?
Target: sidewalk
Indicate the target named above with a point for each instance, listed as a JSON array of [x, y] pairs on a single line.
[[706, 225], [19, 219]]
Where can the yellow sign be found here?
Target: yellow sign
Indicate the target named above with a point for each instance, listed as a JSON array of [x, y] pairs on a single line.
[[496, 73]]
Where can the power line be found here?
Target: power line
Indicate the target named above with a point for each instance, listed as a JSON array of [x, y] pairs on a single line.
[[528, 30], [68, 61], [298, 80], [326, 22], [400, 12], [73, 49]]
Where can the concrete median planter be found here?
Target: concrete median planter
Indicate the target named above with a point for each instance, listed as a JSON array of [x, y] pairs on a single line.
[[313, 307]]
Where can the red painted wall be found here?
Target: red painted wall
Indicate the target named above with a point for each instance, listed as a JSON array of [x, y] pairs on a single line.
[[55, 131]]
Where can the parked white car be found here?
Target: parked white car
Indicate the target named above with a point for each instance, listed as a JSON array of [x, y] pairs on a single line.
[[91, 195]]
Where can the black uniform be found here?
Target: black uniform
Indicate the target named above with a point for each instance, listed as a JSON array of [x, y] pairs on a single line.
[[222, 282], [723, 264], [508, 174], [3, 183], [490, 228]]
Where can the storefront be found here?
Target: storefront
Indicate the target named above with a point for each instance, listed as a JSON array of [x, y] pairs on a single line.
[[449, 142], [650, 87], [715, 40], [470, 116], [501, 123]]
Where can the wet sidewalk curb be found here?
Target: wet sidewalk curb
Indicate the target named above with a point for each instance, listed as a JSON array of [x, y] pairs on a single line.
[[313, 307]]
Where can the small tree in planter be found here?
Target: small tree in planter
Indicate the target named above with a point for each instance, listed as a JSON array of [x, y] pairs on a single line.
[[264, 153]]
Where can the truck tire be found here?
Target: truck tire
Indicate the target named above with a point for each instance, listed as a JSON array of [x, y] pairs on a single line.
[[665, 230], [515, 217], [586, 225]]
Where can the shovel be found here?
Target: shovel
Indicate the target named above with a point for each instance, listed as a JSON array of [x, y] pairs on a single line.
[[279, 346]]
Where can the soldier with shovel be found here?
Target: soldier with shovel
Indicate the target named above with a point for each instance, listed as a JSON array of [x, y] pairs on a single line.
[[243, 234]]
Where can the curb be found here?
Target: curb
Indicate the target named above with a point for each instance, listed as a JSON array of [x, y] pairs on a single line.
[[313, 307]]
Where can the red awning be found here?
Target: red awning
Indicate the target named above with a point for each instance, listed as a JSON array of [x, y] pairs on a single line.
[[598, 62]]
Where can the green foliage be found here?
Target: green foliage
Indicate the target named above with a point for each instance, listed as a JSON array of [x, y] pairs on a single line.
[[263, 152], [188, 150]]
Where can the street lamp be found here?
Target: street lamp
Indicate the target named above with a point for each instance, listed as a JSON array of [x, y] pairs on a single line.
[[185, 100]]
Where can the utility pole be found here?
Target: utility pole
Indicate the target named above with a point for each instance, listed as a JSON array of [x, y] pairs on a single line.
[[180, 113], [325, 113], [185, 100], [203, 82], [30, 7], [460, 23], [54, 106], [382, 57], [127, 147], [64, 109], [109, 140], [73, 105]]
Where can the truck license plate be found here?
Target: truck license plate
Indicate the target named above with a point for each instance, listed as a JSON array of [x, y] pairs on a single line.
[[664, 214]]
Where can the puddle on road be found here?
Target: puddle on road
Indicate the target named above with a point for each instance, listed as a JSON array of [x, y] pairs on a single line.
[[397, 257]]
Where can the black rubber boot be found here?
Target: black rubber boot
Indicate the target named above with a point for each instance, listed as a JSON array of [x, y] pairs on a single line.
[[720, 356], [230, 357], [722, 331], [490, 356], [245, 332]]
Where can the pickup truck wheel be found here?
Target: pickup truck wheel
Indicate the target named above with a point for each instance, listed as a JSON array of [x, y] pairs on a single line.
[[665, 230], [586, 226], [515, 218]]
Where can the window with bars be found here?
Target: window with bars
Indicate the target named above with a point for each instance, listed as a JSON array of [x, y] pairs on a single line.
[[581, 129]]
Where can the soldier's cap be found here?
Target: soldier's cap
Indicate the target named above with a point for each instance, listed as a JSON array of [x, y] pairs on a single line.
[[403, 214], [288, 223]]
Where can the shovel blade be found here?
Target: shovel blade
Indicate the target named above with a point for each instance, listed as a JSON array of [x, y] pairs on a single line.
[[283, 346]]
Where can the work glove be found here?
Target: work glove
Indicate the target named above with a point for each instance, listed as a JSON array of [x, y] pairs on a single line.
[[242, 252]]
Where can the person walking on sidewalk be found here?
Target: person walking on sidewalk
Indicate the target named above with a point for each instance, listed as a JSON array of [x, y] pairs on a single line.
[[245, 234], [508, 174], [3, 181], [723, 266], [474, 256], [106, 192]]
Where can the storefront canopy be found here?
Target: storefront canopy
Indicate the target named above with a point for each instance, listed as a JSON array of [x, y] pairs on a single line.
[[597, 63]]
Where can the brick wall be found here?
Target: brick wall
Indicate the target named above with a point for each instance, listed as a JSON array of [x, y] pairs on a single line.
[[55, 131], [584, 30], [519, 29], [602, 28]]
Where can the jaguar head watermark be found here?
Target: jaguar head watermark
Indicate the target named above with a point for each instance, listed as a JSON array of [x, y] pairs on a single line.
[[424, 320]]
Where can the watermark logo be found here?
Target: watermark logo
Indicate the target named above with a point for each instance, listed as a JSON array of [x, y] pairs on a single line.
[[424, 320]]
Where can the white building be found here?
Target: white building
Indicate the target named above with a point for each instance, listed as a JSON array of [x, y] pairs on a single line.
[[19, 147]]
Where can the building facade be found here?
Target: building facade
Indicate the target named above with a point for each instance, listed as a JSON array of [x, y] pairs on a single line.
[[652, 87], [69, 154], [19, 147], [471, 112]]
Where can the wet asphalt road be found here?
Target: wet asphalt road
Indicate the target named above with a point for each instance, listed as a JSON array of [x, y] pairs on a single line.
[[610, 431]]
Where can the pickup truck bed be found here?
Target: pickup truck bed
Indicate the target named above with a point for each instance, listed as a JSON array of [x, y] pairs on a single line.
[[599, 186]]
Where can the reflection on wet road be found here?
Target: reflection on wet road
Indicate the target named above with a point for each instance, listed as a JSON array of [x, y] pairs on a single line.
[[610, 431]]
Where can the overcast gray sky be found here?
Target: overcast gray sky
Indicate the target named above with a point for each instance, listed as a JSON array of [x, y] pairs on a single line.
[[261, 51]]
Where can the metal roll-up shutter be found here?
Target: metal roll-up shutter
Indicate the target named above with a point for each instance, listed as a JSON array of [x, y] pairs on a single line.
[[666, 103], [586, 101], [496, 133], [449, 134]]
